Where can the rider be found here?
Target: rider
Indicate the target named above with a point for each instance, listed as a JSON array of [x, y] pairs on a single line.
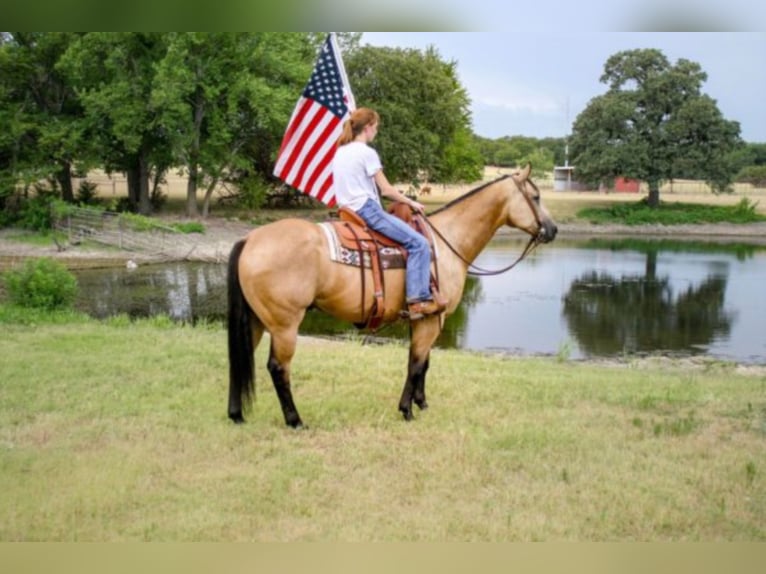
[[356, 172]]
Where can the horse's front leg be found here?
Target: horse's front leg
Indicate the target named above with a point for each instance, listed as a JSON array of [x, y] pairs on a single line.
[[414, 386], [419, 383], [423, 335]]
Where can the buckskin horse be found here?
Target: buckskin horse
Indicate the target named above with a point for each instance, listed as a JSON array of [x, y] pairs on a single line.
[[280, 270]]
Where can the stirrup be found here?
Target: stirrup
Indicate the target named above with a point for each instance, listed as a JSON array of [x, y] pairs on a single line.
[[421, 309]]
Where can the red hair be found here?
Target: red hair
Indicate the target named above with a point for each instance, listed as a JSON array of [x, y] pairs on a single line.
[[357, 121]]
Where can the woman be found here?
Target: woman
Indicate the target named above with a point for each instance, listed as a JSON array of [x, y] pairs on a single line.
[[356, 172]]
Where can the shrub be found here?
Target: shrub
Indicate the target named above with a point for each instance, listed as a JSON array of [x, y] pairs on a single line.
[[35, 212], [754, 175], [87, 193], [41, 283], [253, 192]]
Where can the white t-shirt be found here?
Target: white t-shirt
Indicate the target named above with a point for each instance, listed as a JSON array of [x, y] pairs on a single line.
[[353, 169]]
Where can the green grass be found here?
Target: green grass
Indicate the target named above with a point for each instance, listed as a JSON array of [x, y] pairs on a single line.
[[672, 213], [189, 227], [117, 430], [37, 238]]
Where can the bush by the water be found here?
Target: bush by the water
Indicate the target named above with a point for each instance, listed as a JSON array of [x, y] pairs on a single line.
[[673, 213], [41, 283]]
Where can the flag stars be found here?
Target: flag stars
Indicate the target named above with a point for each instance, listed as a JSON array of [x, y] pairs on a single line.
[[308, 146], [325, 85]]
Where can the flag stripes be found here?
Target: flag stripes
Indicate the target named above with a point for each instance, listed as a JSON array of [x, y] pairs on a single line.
[[308, 146]]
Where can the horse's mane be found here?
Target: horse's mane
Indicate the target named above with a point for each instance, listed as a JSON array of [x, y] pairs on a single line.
[[468, 194]]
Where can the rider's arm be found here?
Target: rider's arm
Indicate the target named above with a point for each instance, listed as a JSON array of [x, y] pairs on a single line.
[[389, 191]]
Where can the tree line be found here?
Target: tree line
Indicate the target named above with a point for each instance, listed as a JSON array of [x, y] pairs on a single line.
[[215, 105], [212, 104]]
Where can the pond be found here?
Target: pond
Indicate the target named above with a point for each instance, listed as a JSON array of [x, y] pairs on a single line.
[[576, 299]]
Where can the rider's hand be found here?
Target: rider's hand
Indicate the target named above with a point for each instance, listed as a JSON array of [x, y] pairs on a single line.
[[419, 207]]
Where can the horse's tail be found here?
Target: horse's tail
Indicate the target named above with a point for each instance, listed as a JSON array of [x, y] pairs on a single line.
[[241, 371]]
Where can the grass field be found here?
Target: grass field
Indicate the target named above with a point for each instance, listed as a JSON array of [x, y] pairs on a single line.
[[563, 205], [116, 431]]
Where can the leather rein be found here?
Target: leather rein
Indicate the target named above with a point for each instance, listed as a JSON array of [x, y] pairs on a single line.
[[534, 240]]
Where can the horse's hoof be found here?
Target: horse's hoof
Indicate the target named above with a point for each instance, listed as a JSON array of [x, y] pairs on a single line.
[[237, 418], [407, 414], [423, 405]]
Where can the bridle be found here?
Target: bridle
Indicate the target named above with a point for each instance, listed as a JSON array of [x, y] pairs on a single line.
[[534, 240]]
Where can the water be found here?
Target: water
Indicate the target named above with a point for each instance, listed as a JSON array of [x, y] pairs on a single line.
[[576, 299]]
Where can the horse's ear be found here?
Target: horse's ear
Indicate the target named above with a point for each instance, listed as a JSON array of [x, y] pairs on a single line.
[[526, 171], [523, 175]]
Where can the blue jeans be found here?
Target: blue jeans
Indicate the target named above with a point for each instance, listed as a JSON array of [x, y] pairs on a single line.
[[418, 251]]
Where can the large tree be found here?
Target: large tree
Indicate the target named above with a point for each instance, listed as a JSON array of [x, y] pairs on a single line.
[[653, 124], [42, 117], [114, 77], [424, 112], [224, 101]]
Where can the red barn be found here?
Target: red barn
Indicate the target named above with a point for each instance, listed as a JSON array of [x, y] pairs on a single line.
[[625, 184]]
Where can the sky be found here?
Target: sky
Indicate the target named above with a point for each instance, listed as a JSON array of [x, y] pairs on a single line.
[[535, 84]]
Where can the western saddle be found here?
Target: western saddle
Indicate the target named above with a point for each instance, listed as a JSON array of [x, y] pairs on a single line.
[[354, 234]]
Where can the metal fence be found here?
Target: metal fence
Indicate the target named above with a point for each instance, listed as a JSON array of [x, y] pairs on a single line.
[[124, 233]]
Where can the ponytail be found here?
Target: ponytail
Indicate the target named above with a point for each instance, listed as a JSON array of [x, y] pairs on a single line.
[[356, 122]]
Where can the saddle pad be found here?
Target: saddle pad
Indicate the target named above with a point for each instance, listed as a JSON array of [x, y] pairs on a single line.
[[390, 257]]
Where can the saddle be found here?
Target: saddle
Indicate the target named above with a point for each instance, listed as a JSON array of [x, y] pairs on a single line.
[[353, 234]]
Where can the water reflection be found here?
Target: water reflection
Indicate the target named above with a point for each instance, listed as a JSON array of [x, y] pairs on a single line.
[[590, 298], [183, 291], [608, 315]]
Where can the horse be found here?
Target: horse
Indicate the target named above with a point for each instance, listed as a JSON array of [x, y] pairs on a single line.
[[278, 271]]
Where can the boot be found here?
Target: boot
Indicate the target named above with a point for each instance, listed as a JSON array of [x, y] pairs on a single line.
[[420, 309]]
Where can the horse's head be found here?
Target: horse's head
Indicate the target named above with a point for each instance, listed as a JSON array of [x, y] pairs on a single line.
[[526, 211]]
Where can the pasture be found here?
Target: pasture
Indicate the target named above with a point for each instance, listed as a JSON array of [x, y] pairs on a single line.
[[563, 205], [117, 431]]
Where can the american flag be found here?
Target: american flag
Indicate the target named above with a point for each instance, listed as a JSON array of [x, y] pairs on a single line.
[[308, 146]]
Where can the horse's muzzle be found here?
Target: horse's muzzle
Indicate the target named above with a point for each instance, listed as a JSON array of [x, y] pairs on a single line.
[[547, 232]]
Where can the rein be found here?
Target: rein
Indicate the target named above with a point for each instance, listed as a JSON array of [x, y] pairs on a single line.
[[477, 271]]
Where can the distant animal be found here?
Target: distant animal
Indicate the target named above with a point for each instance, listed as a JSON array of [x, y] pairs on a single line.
[[280, 270], [425, 190]]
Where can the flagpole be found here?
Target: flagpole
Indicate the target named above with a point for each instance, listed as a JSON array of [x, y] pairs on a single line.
[[342, 68], [304, 160]]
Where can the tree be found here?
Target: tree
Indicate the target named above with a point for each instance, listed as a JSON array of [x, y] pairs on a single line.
[[224, 101], [512, 151], [755, 175], [653, 124], [114, 76], [461, 160], [42, 117], [749, 155], [424, 112]]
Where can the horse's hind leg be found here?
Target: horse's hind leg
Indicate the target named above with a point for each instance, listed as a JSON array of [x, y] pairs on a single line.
[[249, 346], [280, 356]]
